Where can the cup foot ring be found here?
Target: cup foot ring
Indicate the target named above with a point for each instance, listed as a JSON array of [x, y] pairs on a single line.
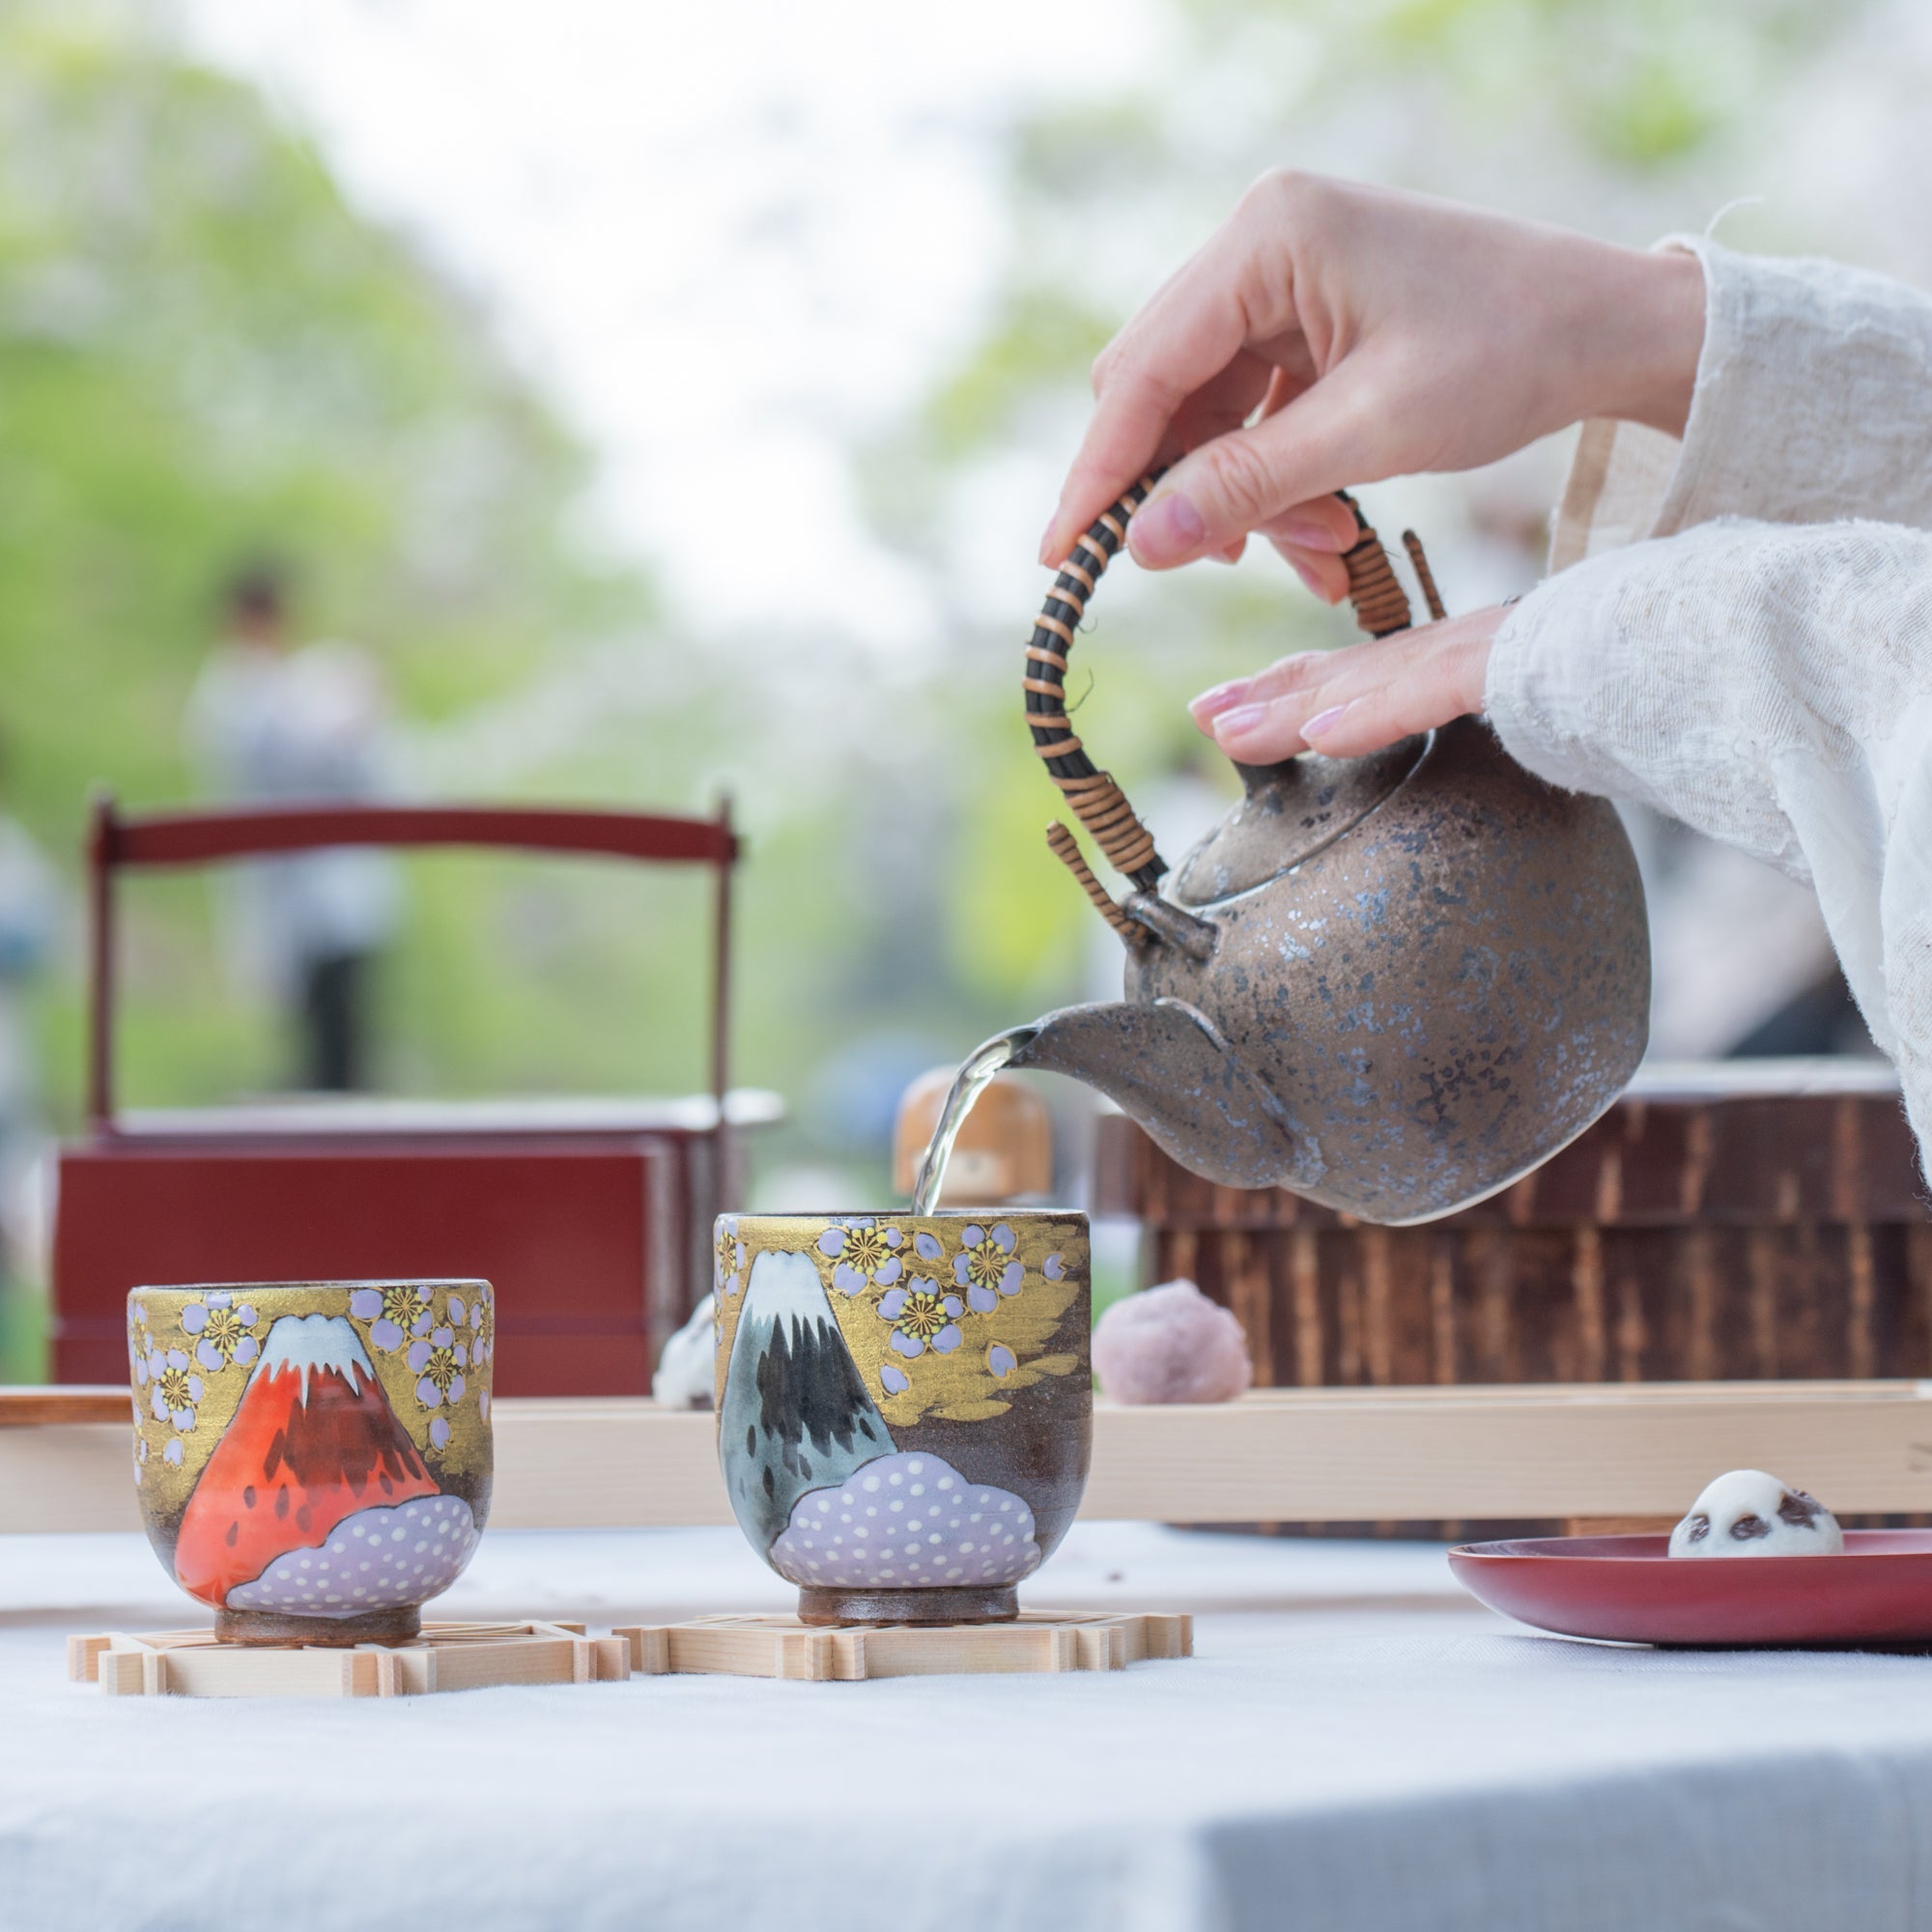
[[968, 1604], [272, 1627]]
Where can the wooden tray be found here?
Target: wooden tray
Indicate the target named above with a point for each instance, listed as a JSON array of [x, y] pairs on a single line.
[[781, 1646], [1598, 1451], [445, 1656]]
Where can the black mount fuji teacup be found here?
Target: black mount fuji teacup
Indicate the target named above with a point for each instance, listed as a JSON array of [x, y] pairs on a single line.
[[905, 1403]]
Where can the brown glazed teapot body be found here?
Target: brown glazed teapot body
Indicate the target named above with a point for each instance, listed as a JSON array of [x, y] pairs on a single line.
[[1392, 984]]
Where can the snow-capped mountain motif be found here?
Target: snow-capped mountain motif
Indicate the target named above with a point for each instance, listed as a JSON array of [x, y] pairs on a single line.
[[313, 1442], [796, 1415]]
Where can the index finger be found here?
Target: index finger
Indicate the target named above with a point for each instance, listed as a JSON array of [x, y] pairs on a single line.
[[1183, 338]]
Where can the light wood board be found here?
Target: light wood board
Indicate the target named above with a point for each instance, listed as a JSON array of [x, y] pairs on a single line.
[[1597, 1450], [781, 1646], [445, 1656]]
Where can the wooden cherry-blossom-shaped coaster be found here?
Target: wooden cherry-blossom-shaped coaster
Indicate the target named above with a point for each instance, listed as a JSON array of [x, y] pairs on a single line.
[[782, 1646], [444, 1657]]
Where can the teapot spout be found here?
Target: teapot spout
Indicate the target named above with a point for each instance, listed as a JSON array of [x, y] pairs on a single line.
[[1165, 1064]]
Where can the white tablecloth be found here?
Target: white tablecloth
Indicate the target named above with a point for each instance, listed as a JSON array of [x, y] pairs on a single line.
[[1355, 1748]]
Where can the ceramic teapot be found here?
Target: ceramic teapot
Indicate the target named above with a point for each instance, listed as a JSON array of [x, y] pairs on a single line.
[[1392, 984]]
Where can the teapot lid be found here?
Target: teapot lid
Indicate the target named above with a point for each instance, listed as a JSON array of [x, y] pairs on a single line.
[[1289, 812]]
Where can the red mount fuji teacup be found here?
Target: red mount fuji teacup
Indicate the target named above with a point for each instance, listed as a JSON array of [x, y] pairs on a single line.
[[313, 1459]]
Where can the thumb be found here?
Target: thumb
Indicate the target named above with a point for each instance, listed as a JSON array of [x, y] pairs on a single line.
[[1326, 439]]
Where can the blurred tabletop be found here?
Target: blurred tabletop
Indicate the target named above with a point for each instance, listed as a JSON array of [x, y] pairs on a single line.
[[1357, 1746]]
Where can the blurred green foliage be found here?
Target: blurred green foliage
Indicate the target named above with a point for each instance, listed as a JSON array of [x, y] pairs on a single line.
[[23, 1337], [207, 352], [1038, 335], [206, 355], [1638, 84]]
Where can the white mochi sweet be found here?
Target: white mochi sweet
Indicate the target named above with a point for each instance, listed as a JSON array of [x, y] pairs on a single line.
[[1747, 1513]]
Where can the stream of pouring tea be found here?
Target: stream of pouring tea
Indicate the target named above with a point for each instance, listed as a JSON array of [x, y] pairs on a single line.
[[972, 1081]]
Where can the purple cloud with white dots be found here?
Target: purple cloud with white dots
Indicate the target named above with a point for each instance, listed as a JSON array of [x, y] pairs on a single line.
[[907, 1521]]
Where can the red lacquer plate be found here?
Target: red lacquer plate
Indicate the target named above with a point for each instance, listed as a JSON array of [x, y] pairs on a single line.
[[1626, 1589]]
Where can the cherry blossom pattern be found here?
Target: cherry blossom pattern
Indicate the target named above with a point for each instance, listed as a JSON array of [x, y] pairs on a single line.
[[467, 1316], [394, 1313], [727, 1273], [905, 1521], [437, 1361], [444, 1360], [482, 1322], [923, 1315], [986, 1267], [141, 1344], [867, 1255], [149, 1364], [220, 1330], [175, 1396]]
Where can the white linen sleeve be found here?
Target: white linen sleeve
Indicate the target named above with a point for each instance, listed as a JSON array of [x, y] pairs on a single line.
[[1814, 402], [1772, 686]]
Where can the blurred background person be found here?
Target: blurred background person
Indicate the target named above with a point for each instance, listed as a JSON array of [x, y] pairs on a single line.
[[275, 723]]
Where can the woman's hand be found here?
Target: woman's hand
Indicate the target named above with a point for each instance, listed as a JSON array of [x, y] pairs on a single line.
[[1356, 699], [1330, 335]]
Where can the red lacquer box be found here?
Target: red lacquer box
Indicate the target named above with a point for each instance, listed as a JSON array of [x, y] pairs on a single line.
[[591, 1218]]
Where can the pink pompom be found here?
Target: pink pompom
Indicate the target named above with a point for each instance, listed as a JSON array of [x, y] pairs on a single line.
[[1171, 1344]]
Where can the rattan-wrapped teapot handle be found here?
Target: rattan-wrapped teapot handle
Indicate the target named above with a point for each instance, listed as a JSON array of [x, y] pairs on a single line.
[[1098, 802], [1375, 593], [1380, 605]]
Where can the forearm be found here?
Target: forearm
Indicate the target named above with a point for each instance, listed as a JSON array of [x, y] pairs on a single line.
[[1771, 687], [1636, 347], [1813, 402]]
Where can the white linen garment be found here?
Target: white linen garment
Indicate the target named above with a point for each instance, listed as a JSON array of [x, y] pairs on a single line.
[[1738, 627]]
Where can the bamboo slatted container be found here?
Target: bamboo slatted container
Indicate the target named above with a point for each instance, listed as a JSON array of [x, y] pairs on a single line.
[[1723, 1221]]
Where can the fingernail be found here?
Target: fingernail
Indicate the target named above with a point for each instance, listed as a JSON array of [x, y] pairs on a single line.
[[1322, 722], [1309, 578], [1239, 722], [1166, 530], [1222, 697], [1309, 536], [1047, 552]]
